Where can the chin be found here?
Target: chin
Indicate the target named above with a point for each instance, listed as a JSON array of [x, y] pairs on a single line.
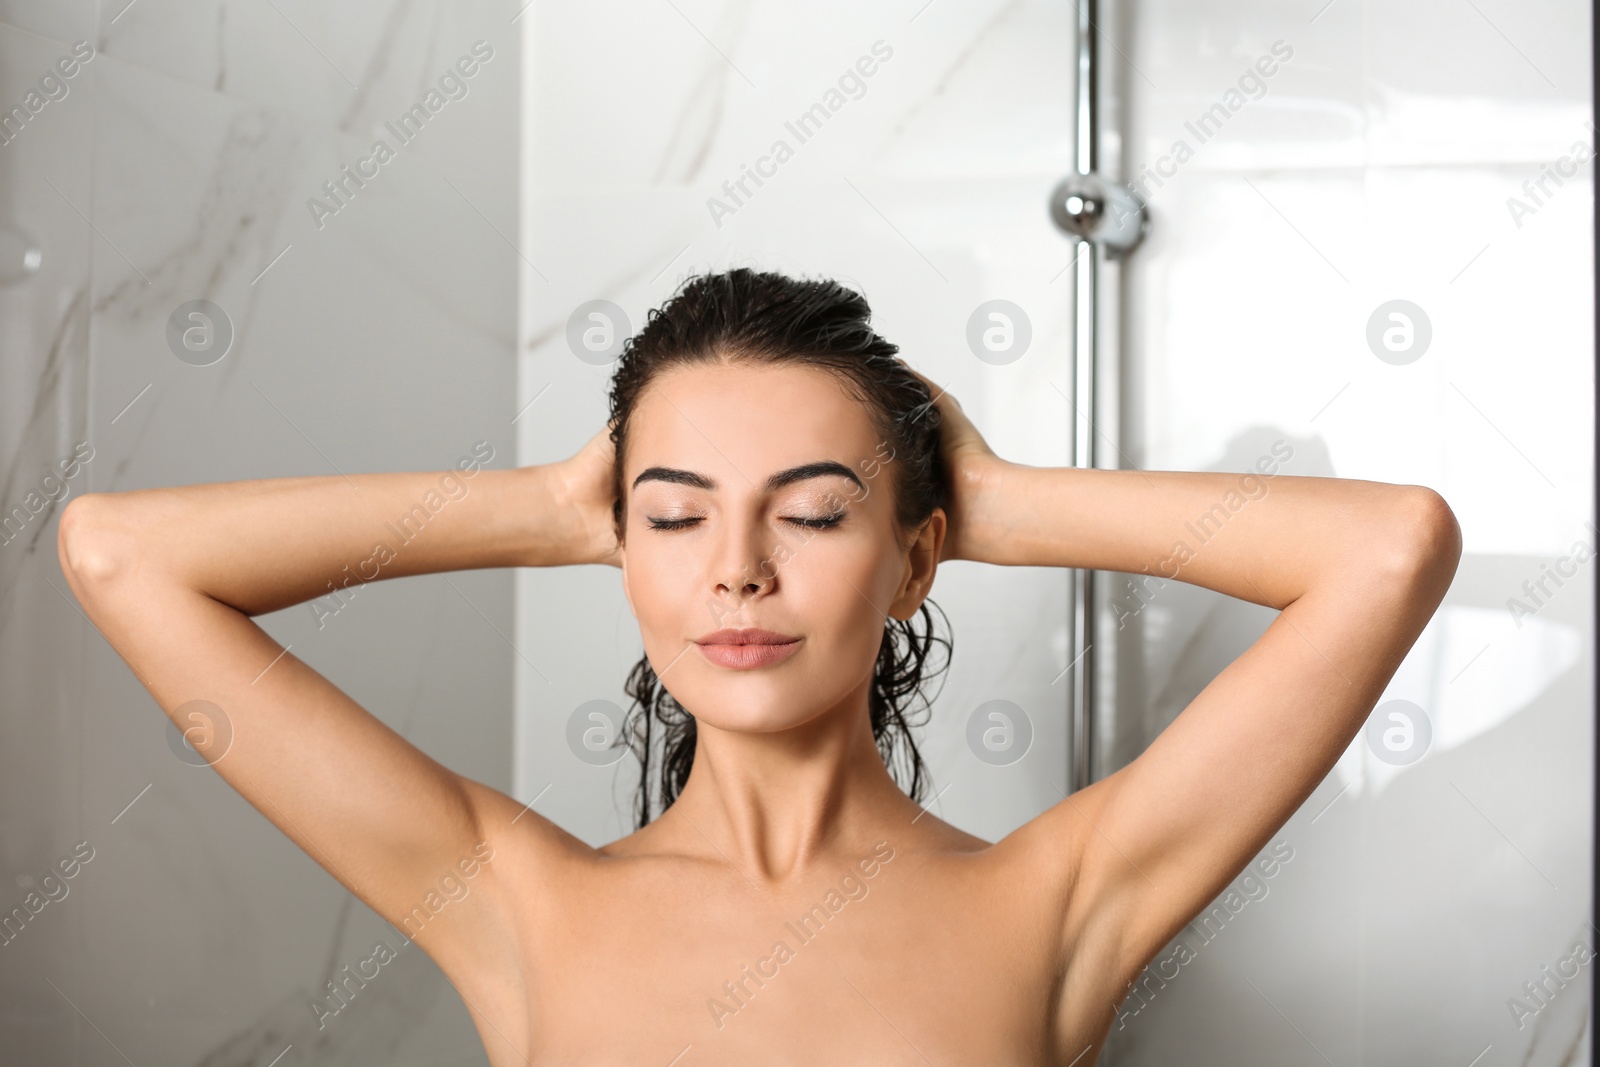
[[739, 707], [758, 721]]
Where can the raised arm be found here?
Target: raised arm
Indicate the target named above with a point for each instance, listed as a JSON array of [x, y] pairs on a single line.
[[1355, 570], [171, 578]]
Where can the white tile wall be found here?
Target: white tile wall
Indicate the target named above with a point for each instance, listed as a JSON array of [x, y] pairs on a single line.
[[1427, 894]]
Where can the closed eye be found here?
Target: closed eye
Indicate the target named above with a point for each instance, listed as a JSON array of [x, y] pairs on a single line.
[[811, 524]]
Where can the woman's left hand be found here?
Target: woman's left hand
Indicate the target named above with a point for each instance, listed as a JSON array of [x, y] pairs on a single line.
[[975, 473]]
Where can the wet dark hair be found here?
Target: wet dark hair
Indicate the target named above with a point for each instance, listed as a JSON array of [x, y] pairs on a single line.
[[762, 318]]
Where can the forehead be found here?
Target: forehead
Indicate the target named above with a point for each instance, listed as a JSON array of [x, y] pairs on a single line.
[[749, 419]]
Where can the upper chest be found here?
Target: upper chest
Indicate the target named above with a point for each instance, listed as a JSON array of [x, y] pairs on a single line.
[[894, 957]]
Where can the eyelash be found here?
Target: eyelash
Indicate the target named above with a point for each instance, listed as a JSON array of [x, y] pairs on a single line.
[[812, 524]]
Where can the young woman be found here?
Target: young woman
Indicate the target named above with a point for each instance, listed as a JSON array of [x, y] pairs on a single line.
[[778, 490]]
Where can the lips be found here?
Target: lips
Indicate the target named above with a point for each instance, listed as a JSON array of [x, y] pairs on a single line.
[[751, 636], [749, 656]]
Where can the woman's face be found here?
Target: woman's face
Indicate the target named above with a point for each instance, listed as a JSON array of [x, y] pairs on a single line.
[[814, 557]]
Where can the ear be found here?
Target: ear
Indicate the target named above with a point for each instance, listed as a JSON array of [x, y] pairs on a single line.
[[921, 564]]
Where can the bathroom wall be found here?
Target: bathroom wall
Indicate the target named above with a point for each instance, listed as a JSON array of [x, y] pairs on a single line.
[[1435, 155], [1382, 159], [178, 163], [925, 187]]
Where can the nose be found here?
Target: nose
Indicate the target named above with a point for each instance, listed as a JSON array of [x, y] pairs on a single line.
[[747, 564]]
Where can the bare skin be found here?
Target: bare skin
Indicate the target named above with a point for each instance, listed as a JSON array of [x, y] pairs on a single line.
[[925, 944]]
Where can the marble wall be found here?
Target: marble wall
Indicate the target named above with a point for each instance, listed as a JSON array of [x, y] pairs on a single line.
[[1335, 157], [180, 161]]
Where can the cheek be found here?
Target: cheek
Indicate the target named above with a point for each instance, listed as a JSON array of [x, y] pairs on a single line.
[[842, 589], [672, 600], [656, 586], [842, 602]]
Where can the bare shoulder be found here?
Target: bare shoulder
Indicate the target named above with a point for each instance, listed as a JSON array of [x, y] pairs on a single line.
[[936, 835], [1026, 873], [1047, 846], [534, 848]]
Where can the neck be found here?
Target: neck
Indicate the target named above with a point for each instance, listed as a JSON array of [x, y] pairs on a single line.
[[778, 805]]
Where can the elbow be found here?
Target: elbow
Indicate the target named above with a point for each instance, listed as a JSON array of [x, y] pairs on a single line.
[[1430, 536], [93, 543]]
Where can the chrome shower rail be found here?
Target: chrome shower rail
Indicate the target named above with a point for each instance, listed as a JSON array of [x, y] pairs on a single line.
[[1098, 214]]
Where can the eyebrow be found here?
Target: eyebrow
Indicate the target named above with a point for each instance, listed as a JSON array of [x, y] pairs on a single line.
[[694, 479]]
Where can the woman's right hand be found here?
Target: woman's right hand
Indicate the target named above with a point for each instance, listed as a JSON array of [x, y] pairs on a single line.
[[587, 476]]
